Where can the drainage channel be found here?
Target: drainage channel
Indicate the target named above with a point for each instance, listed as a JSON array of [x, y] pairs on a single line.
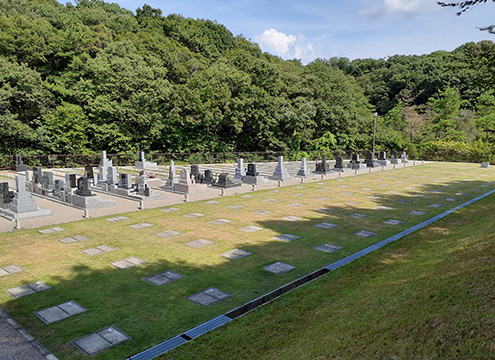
[[199, 330]]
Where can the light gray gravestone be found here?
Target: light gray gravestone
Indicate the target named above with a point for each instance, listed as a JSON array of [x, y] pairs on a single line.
[[303, 170], [281, 172], [240, 172]]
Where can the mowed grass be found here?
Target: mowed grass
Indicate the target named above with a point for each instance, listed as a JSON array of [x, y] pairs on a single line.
[[151, 314], [428, 296]]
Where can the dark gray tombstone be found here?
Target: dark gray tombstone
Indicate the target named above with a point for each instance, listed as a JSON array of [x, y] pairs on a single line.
[[194, 170], [146, 190], [73, 181], [322, 167], [5, 195], [251, 170], [58, 184], [19, 165], [83, 187], [370, 162], [355, 158], [37, 175], [339, 162], [225, 182], [88, 172], [382, 155], [208, 177], [47, 180], [125, 181], [393, 154]]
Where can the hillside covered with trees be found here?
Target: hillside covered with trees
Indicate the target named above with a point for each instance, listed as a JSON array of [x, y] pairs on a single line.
[[91, 76]]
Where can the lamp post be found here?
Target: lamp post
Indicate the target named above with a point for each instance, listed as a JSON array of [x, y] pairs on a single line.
[[375, 114]]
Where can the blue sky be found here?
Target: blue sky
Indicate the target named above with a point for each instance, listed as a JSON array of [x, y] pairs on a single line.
[[309, 29]]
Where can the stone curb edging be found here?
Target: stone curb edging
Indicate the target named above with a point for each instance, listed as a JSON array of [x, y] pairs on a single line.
[[199, 330], [31, 340]]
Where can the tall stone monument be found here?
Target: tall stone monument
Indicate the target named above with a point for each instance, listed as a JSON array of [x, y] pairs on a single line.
[[281, 172]]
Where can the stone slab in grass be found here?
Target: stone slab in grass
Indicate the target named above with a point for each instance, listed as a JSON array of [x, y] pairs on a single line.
[[415, 212], [28, 289], [324, 210], [235, 254], [321, 183], [51, 230], [436, 205], [292, 218], [261, 212], [297, 195], [343, 186], [220, 221], [269, 200], [163, 278], [374, 197], [246, 196], [294, 204], [300, 187], [274, 191], [279, 267], [9, 270], [365, 233], [323, 198], [193, 215], [357, 216], [404, 201], [419, 195], [140, 226], [117, 218], [199, 243], [168, 233], [127, 263], [100, 340], [347, 193], [435, 191], [327, 248], [170, 209], [392, 192], [286, 237], [211, 202], [321, 189], [60, 312], [382, 207], [251, 228], [393, 222], [72, 239], [325, 225], [366, 189], [463, 194], [98, 250], [208, 296], [235, 207], [450, 199]]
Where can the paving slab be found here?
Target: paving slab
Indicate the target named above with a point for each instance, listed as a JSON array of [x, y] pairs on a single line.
[[235, 254], [100, 340], [261, 212], [60, 312], [269, 200], [382, 207], [323, 198], [98, 250], [11, 269], [208, 296], [168, 233], [286, 237], [193, 215], [140, 226], [72, 239], [325, 225], [450, 199], [393, 222], [357, 216], [324, 210], [220, 221], [415, 212], [298, 195], [292, 218], [28, 289], [211, 202], [127, 263], [199, 243], [374, 197], [365, 233], [347, 193], [294, 204], [170, 209], [235, 207], [251, 228], [436, 205], [404, 201], [51, 230], [328, 248], [279, 267], [117, 218], [163, 278]]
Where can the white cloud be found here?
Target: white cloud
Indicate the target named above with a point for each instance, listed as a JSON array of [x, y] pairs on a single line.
[[286, 46], [401, 7]]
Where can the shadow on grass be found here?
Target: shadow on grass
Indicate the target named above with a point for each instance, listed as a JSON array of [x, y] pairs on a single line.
[[151, 314]]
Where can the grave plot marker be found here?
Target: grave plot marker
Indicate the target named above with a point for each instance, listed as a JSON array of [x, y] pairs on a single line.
[[100, 340], [60, 312], [235, 254], [199, 243], [163, 278], [286, 237], [208, 296], [279, 267], [327, 248]]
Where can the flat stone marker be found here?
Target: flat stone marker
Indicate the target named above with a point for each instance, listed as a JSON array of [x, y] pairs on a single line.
[[365, 233], [351, 203], [373, 197], [269, 200], [463, 194], [300, 187], [51, 230], [163, 278], [450, 199], [321, 189], [297, 195], [72, 239], [274, 191], [436, 205], [357, 216], [321, 183], [409, 188], [261, 212], [98, 250], [211, 202], [220, 221], [251, 228], [325, 225], [382, 207], [193, 215], [168, 233], [100, 340], [199, 243], [140, 226], [419, 195], [343, 186], [327, 248], [294, 204], [246, 196], [366, 189], [346, 193], [169, 209], [286, 237], [60, 312], [475, 189], [404, 201], [11, 269], [292, 218], [392, 192], [117, 218], [208, 296], [323, 198], [235, 207], [414, 212], [324, 210], [279, 268], [28, 289], [393, 222], [235, 254], [435, 191], [127, 263]]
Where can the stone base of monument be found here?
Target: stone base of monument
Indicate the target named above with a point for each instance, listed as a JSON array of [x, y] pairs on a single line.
[[257, 180], [340, 169], [383, 162], [319, 172], [357, 166], [373, 164], [10, 214], [396, 161], [225, 185], [190, 189], [145, 165], [91, 202], [155, 182], [22, 168]]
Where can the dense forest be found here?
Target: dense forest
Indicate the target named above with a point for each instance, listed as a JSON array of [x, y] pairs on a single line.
[[91, 76]]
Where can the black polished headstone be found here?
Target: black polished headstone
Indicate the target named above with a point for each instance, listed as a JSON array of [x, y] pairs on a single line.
[[37, 175], [88, 172], [382, 155], [208, 177], [339, 162], [5, 194], [83, 187], [251, 170], [322, 167], [73, 181], [225, 182]]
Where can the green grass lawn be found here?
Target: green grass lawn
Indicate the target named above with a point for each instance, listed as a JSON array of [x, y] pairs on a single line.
[[151, 314]]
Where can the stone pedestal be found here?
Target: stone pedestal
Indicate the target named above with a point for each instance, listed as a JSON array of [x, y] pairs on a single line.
[[281, 172], [142, 163], [186, 185], [303, 170]]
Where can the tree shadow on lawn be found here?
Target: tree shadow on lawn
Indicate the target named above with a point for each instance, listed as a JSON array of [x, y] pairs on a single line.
[[151, 314]]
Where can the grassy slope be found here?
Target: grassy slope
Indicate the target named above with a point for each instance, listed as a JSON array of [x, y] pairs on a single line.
[[430, 295]]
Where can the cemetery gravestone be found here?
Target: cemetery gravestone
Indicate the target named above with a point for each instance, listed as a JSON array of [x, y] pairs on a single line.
[[253, 177], [19, 164], [281, 172], [142, 163], [240, 172], [5, 195], [339, 164], [382, 159], [303, 170], [322, 167], [83, 187], [225, 182]]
